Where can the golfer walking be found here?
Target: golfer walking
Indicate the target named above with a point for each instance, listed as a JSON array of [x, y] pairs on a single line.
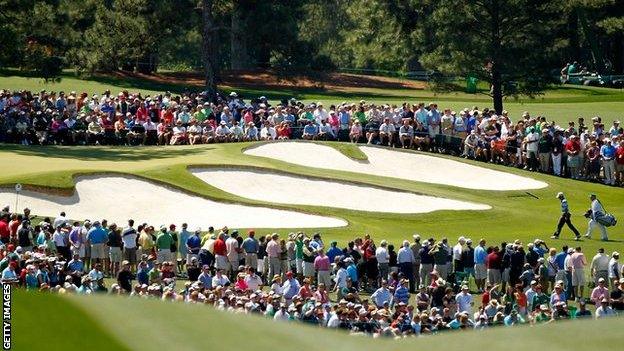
[[565, 218], [596, 211]]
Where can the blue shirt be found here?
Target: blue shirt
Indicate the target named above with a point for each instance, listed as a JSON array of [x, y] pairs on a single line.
[[206, 279], [381, 296], [194, 242], [250, 245], [560, 259], [480, 255], [97, 235], [352, 272], [607, 151], [332, 253], [290, 288], [73, 266], [310, 129], [401, 295], [183, 237]]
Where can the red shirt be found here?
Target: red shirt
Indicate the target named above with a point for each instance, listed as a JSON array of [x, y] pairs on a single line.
[[493, 261], [220, 248], [13, 227], [573, 147], [619, 155], [4, 229]]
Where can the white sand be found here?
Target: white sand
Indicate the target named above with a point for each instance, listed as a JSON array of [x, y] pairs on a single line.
[[118, 199], [294, 190], [404, 165]]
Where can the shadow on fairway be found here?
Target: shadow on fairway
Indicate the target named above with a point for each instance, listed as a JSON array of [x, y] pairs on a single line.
[[104, 153]]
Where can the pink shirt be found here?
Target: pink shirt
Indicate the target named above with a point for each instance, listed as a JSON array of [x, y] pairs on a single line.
[[598, 294], [273, 249], [321, 263], [578, 260]]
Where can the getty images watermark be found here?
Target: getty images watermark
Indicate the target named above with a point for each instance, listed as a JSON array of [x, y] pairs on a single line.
[[6, 316]]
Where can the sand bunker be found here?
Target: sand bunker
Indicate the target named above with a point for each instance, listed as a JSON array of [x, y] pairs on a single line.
[[119, 198], [287, 189], [396, 164]]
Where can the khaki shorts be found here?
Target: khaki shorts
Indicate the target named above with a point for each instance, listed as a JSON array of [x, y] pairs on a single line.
[[98, 251], [578, 277], [480, 271], [114, 254]]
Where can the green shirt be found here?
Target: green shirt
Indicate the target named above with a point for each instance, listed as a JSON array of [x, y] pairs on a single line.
[[299, 249], [164, 241], [361, 117]]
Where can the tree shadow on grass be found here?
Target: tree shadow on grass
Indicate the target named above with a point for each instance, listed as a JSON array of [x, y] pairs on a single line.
[[96, 153]]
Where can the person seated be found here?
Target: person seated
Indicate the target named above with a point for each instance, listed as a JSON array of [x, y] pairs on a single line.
[[178, 134], [386, 132], [356, 132], [95, 132], [164, 132], [222, 133], [406, 134], [251, 133], [421, 137], [236, 132], [326, 132], [121, 131], [194, 132], [470, 145], [310, 131], [136, 135], [151, 132], [268, 132], [283, 131], [208, 132]]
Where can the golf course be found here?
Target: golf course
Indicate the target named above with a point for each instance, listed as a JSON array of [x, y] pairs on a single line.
[[389, 194]]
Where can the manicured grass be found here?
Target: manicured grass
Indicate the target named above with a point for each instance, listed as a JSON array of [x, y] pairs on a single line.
[[119, 323], [514, 214], [50, 322]]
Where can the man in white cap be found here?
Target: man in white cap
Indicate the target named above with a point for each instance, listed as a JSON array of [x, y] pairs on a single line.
[[596, 211], [565, 218], [457, 252], [614, 269], [599, 266]]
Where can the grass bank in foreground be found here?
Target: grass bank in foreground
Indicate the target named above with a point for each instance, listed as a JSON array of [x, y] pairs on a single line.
[[52, 322]]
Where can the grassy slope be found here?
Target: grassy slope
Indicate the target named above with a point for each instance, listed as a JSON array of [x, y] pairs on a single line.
[[560, 104], [514, 214], [149, 325], [49, 322]]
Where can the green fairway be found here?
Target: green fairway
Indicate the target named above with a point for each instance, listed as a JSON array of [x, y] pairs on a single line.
[[561, 103], [514, 214], [120, 323]]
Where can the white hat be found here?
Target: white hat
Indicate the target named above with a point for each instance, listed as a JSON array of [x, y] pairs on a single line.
[[560, 194]]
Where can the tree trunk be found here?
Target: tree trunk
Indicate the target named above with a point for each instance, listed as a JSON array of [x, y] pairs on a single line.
[[209, 50], [239, 57], [497, 80]]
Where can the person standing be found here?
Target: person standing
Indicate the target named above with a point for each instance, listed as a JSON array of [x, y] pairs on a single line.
[[273, 251], [578, 263], [565, 218], [599, 266], [163, 245], [607, 154], [615, 270], [416, 246], [129, 237], [405, 260], [250, 247], [480, 271], [322, 267], [596, 211], [383, 261]]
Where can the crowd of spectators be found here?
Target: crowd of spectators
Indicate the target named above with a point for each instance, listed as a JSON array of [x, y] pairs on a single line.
[[420, 286], [592, 151]]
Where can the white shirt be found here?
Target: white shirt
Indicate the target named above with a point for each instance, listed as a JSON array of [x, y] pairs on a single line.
[[59, 238], [596, 207], [253, 282], [614, 266], [268, 133], [382, 255], [386, 128], [129, 240], [457, 251], [463, 302], [281, 315], [341, 278], [231, 245], [62, 219], [600, 262], [534, 137]]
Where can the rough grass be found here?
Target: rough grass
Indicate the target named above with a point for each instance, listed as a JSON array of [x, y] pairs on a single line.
[[514, 214], [107, 323]]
